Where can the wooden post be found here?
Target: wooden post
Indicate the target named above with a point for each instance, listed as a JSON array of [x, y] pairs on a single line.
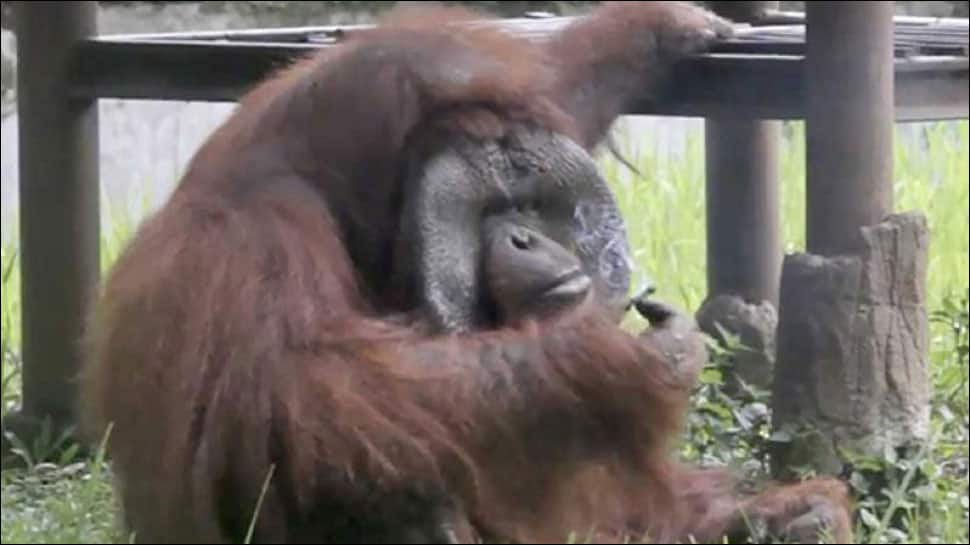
[[853, 341], [7, 16], [850, 99], [59, 208], [743, 227]]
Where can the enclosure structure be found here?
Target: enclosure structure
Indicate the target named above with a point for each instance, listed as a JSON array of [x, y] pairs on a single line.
[[850, 70]]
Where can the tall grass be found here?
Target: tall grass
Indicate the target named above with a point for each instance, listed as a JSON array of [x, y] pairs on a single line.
[[10, 323], [665, 209], [665, 206]]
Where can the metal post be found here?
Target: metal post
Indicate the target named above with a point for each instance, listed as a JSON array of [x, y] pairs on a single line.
[[743, 226], [59, 193], [850, 92]]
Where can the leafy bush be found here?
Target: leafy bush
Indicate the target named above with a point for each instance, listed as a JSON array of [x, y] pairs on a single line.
[[731, 428]]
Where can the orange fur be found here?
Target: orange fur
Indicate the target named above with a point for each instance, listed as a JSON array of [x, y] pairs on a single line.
[[241, 335]]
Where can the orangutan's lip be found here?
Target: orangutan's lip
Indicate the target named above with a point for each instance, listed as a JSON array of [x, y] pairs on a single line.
[[571, 284]]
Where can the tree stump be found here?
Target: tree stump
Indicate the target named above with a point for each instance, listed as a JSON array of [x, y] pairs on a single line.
[[755, 326], [853, 345]]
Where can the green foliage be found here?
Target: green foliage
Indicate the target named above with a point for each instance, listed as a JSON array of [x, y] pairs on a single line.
[[931, 176], [50, 446], [72, 504], [69, 503], [952, 379], [728, 428], [9, 299]]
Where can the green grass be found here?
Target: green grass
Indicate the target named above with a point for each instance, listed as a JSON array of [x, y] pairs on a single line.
[[50, 504], [10, 321], [65, 502], [665, 208]]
